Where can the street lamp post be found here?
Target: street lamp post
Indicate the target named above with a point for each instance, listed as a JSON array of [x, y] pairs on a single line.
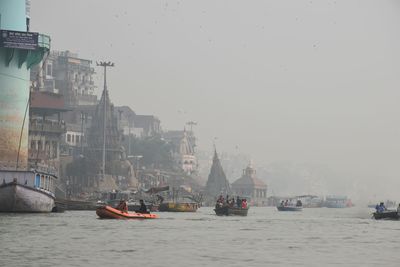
[[104, 65]]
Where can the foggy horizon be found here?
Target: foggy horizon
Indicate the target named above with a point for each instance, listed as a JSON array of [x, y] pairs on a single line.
[[304, 82]]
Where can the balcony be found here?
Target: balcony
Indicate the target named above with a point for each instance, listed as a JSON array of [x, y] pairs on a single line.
[[47, 126]]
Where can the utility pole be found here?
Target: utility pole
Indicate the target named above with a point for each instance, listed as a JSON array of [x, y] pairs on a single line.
[[129, 134], [83, 116], [105, 93], [191, 124]]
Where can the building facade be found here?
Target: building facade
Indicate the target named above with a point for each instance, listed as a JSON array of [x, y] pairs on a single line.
[[251, 187], [46, 130], [183, 150], [65, 73]]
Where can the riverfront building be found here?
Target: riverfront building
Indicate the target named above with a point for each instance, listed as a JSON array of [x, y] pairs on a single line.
[[65, 73], [251, 187]]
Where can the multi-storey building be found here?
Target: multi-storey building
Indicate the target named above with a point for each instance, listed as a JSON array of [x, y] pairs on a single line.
[[65, 73]]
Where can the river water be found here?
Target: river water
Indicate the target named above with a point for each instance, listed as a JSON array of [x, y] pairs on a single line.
[[266, 237]]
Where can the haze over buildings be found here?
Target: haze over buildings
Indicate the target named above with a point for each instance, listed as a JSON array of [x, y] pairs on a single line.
[[313, 82]]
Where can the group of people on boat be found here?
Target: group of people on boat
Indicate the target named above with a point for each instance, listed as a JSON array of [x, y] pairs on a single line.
[[380, 208], [288, 202], [231, 202], [123, 207]]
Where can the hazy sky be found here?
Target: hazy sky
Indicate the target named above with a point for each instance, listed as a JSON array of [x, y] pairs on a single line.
[[301, 81]]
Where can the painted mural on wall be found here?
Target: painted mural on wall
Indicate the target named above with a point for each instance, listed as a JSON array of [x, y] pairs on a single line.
[[12, 108]]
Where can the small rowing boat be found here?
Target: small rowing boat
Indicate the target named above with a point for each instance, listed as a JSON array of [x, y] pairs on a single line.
[[226, 210], [107, 212], [387, 215], [289, 208]]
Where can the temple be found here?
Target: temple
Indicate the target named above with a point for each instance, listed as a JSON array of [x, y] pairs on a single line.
[[217, 183], [251, 187]]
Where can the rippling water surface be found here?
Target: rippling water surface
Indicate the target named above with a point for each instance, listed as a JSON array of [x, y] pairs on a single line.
[[266, 237]]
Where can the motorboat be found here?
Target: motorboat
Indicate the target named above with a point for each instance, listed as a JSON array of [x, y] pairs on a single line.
[[107, 212]]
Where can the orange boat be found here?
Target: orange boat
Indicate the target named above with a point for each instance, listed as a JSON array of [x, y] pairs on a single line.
[[107, 212]]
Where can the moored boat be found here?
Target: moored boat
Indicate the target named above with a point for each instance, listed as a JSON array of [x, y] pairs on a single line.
[[107, 212], [27, 191], [227, 210], [387, 215]]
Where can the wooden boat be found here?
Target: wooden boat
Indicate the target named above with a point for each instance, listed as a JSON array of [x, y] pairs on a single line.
[[387, 215], [289, 208], [27, 191], [226, 210], [178, 207], [107, 212]]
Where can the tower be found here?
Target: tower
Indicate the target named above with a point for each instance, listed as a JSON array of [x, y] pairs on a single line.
[[217, 182], [19, 51]]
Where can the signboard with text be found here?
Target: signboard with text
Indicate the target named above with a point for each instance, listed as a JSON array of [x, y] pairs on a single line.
[[20, 40]]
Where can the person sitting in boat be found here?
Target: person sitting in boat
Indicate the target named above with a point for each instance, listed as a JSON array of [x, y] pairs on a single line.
[[143, 208], [238, 202], [160, 199], [286, 202], [381, 207], [244, 203], [298, 203], [122, 206], [282, 203]]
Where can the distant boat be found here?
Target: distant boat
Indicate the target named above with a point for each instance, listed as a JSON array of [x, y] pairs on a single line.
[[289, 208], [337, 202], [387, 215], [227, 211], [27, 191], [178, 206]]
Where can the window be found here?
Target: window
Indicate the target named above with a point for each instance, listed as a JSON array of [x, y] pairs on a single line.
[[68, 138], [73, 138], [77, 139]]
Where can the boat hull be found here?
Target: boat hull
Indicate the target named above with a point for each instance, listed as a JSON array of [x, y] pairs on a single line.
[[178, 207], [387, 215], [227, 211], [286, 208], [107, 212], [15, 197]]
